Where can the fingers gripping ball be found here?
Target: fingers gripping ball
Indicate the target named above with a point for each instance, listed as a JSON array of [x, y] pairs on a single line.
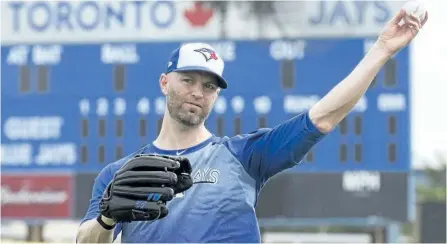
[[415, 8], [140, 190]]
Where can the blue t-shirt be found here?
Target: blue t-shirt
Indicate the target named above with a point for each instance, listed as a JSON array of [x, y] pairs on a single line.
[[223, 211]]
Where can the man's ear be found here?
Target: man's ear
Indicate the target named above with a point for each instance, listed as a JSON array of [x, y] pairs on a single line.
[[164, 83]]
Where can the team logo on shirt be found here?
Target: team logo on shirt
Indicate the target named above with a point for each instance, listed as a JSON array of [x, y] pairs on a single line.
[[206, 175]]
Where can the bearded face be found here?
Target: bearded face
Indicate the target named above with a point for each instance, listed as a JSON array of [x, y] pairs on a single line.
[[190, 97]]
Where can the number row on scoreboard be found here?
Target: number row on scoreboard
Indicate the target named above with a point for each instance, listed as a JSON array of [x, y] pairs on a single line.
[[41, 79], [309, 158], [40, 76], [357, 125], [288, 74], [143, 122], [220, 124], [344, 150], [357, 154], [100, 154], [287, 78]]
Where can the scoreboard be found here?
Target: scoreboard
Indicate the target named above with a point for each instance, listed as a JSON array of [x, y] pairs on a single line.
[[74, 108], [79, 107]]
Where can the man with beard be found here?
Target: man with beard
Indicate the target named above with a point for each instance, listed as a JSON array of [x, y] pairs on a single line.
[[236, 167]]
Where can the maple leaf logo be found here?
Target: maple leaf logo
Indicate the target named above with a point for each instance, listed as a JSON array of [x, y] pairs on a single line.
[[198, 16]]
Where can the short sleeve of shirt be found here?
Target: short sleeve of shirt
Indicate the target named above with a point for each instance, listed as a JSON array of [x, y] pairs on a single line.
[[101, 181], [100, 184], [266, 152]]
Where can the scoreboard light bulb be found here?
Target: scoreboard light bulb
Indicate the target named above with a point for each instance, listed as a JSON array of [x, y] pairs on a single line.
[[102, 106], [221, 105], [237, 103], [263, 104], [143, 106], [84, 107], [119, 106], [160, 105]]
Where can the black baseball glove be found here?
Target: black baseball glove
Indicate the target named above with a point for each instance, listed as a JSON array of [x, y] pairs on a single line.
[[140, 190]]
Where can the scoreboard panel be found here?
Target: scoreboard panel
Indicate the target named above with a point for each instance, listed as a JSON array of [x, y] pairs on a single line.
[[77, 107], [94, 103]]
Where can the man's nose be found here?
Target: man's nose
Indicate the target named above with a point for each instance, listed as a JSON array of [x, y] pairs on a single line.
[[197, 91]]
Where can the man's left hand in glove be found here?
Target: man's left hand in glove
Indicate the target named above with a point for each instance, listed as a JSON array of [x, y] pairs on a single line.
[[140, 190]]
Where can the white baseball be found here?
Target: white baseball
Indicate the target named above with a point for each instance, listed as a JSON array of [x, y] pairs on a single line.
[[416, 8]]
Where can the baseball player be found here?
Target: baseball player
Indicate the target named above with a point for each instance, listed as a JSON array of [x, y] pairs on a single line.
[[189, 185]]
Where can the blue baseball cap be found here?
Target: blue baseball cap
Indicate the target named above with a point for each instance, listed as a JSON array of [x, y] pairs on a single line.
[[197, 57]]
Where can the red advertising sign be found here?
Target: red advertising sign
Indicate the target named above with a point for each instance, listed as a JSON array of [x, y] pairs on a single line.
[[36, 196]]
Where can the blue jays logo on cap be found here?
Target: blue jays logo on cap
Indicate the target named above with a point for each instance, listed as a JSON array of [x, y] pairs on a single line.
[[208, 54], [197, 57]]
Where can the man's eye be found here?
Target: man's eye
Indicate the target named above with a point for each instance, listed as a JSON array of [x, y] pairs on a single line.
[[187, 80], [210, 86]]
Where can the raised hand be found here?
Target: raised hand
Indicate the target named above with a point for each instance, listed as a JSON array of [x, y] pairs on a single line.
[[399, 32]]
